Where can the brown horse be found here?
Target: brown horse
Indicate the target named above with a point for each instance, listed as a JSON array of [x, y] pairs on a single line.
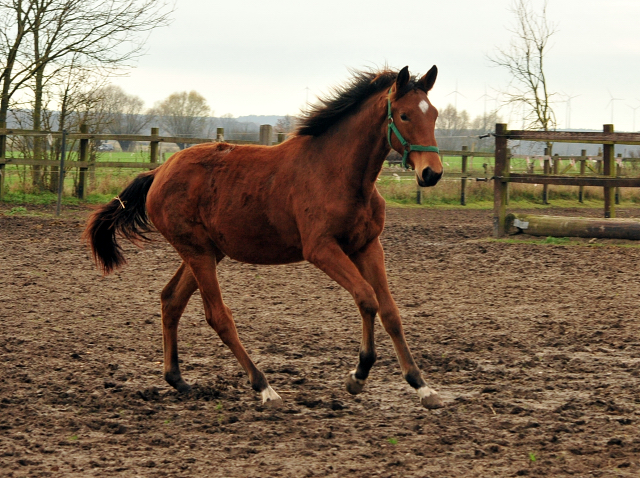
[[311, 198]]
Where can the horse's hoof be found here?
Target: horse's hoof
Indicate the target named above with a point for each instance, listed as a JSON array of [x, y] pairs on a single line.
[[178, 383], [270, 398], [354, 385], [273, 403], [432, 402], [430, 398], [183, 387]]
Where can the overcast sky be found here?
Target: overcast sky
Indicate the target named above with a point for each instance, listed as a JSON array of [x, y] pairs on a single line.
[[266, 58]]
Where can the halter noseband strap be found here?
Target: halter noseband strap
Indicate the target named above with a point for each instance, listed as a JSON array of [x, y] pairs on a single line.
[[407, 147]]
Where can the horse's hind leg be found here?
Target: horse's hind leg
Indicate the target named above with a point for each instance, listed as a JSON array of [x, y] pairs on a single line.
[[174, 298], [370, 262], [219, 317]]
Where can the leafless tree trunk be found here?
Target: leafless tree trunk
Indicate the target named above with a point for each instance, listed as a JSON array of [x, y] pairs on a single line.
[[524, 60], [13, 30], [40, 39]]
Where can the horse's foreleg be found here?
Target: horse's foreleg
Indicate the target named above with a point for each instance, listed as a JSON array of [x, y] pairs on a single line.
[[174, 298], [336, 264], [219, 317], [370, 262]]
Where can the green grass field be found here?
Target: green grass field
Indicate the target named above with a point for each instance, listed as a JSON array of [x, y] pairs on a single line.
[[105, 183], [102, 184]]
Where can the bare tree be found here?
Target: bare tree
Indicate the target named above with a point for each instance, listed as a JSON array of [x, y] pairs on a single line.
[[73, 92], [78, 101], [481, 126], [286, 124], [452, 120], [455, 129], [13, 30], [125, 112], [42, 38], [184, 114], [524, 60], [451, 125]]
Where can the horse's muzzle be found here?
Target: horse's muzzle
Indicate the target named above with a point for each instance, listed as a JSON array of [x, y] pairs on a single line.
[[429, 178]]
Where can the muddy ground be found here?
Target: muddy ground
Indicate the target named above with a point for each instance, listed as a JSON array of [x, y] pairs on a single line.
[[535, 348]]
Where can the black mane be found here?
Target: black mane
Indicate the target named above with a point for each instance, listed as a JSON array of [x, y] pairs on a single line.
[[344, 100]]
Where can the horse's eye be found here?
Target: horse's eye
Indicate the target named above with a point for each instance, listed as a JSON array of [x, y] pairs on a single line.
[[404, 117]]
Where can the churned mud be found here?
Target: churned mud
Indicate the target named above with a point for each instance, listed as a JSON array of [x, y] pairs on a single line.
[[535, 348]]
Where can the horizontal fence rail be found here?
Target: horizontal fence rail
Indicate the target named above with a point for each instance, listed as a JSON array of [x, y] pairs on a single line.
[[83, 164], [545, 169], [607, 175], [587, 137]]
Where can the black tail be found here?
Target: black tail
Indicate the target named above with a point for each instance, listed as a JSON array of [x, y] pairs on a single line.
[[126, 216]]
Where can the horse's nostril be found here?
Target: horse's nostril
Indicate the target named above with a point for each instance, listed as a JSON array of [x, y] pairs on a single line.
[[429, 177]]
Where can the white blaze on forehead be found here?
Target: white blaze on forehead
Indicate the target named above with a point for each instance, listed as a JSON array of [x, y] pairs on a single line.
[[424, 106]]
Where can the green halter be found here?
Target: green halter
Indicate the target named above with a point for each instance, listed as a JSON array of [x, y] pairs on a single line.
[[407, 147]]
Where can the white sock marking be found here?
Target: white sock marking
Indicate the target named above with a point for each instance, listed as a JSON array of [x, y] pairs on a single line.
[[269, 394], [426, 392], [424, 106]]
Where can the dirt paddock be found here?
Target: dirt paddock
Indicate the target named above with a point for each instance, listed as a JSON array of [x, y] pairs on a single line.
[[535, 348]]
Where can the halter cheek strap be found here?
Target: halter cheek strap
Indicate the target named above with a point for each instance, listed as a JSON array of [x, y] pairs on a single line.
[[406, 146]]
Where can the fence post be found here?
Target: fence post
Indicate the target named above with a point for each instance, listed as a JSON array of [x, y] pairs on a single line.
[[220, 134], [507, 185], [463, 183], [608, 169], [153, 145], [266, 134], [583, 170], [499, 187], [556, 163], [3, 150], [547, 170], [84, 157], [61, 171], [618, 174]]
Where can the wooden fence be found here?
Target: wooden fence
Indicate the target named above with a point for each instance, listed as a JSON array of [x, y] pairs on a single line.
[[603, 175], [464, 176], [84, 164], [607, 180]]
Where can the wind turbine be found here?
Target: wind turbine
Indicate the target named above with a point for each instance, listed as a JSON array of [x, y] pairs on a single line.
[[456, 92], [612, 103], [568, 110]]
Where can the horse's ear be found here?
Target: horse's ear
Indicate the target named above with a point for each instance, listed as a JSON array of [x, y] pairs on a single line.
[[403, 78], [427, 81]]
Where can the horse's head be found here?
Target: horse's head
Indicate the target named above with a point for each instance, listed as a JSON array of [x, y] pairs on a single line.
[[411, 125]]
